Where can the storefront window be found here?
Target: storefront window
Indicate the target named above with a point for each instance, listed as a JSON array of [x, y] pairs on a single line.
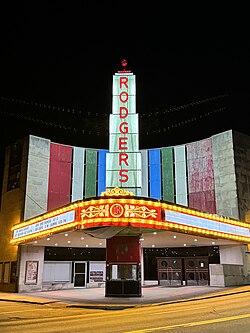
[[123, 272]]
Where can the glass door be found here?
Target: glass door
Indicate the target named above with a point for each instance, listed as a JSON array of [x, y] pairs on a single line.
[[196, 271], [80, 274], [169, 271]]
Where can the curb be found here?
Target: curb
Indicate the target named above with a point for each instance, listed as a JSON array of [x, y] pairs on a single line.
[[103, 307], [122, 307], [28, 301]]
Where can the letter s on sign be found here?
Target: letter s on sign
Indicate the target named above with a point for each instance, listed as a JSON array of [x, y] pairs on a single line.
[[123, 175]]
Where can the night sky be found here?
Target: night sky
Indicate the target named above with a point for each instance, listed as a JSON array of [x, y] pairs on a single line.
[[57, 60]]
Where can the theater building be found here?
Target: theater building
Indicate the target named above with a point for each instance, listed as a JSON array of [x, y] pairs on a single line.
[[125, 217]]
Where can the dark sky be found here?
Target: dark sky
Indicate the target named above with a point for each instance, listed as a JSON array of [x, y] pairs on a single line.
[[57, 60]]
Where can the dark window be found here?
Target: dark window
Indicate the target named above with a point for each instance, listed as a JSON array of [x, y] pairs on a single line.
[[74, 254], [15, 161]]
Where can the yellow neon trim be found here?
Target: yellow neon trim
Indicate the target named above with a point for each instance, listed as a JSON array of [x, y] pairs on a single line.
[[44, 233], [213, 233], [142, 222], [208, 216]]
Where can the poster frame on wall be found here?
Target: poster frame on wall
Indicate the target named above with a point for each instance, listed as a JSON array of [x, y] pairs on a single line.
[[31, 272]]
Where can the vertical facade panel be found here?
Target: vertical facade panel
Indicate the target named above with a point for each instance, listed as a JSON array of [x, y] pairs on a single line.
[[144, 156], [101, 186], [241, 147], [167, 174], [59, 175], [201, 176], [226, 183], [155, 173], [123, 249], [180, 175], [91, 173], [36, 198], [77, 174]]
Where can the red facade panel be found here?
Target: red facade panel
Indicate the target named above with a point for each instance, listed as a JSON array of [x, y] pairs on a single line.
[[201, 176], [123, 249], [59, 176]]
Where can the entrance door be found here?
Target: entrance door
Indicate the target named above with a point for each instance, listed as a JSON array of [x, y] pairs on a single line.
[[80, 274], [169, 271], [196, 271]]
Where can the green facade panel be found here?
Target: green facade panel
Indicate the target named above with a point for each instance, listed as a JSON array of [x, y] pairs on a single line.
[[91, 173], [167, 164]]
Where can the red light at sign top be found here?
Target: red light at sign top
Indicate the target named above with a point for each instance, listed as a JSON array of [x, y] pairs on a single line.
[[124, 63]]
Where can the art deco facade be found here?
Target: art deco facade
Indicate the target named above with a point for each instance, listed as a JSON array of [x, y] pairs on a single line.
[[176, 215]]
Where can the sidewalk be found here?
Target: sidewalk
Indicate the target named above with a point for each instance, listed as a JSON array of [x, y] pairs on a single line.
[[95, 297]]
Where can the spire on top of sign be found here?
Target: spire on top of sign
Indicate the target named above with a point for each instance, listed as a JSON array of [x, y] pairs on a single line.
[[124, 64]]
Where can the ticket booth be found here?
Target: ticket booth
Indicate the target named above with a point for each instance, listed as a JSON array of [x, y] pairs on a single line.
[[123, 267]]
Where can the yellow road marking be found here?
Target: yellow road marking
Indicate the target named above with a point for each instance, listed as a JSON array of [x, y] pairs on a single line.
[[196, 323]]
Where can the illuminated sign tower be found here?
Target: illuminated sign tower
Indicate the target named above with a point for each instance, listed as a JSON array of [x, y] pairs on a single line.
[[123, 163]]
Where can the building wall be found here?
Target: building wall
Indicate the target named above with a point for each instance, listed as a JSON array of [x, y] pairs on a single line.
[[91, 173], [232, 254], [59, 190], [226, 275], [78, 174], [144, 174], [154, 167], [180, 170], [208, 175], [212, 175], [101, 172], [224, 175], [167, 171], [36, 199], [12, 206], [30, 254], [200, 171], [234, 267], [242, 169]]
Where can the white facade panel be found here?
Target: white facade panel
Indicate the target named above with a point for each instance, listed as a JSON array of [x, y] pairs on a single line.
[[232, 254], [113, 179], [130, 105], [131, 143], [78, 174], [180, 175], [36, 198], [134, 161], [131, 119], [131, 84]]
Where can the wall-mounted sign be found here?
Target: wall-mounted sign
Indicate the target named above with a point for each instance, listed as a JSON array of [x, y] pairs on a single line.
[[46, 224], [205, 224], [123, 167], [97, 271], [120, 210]]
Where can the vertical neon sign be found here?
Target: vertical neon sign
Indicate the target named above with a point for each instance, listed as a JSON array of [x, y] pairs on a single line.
[[123, 167]]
